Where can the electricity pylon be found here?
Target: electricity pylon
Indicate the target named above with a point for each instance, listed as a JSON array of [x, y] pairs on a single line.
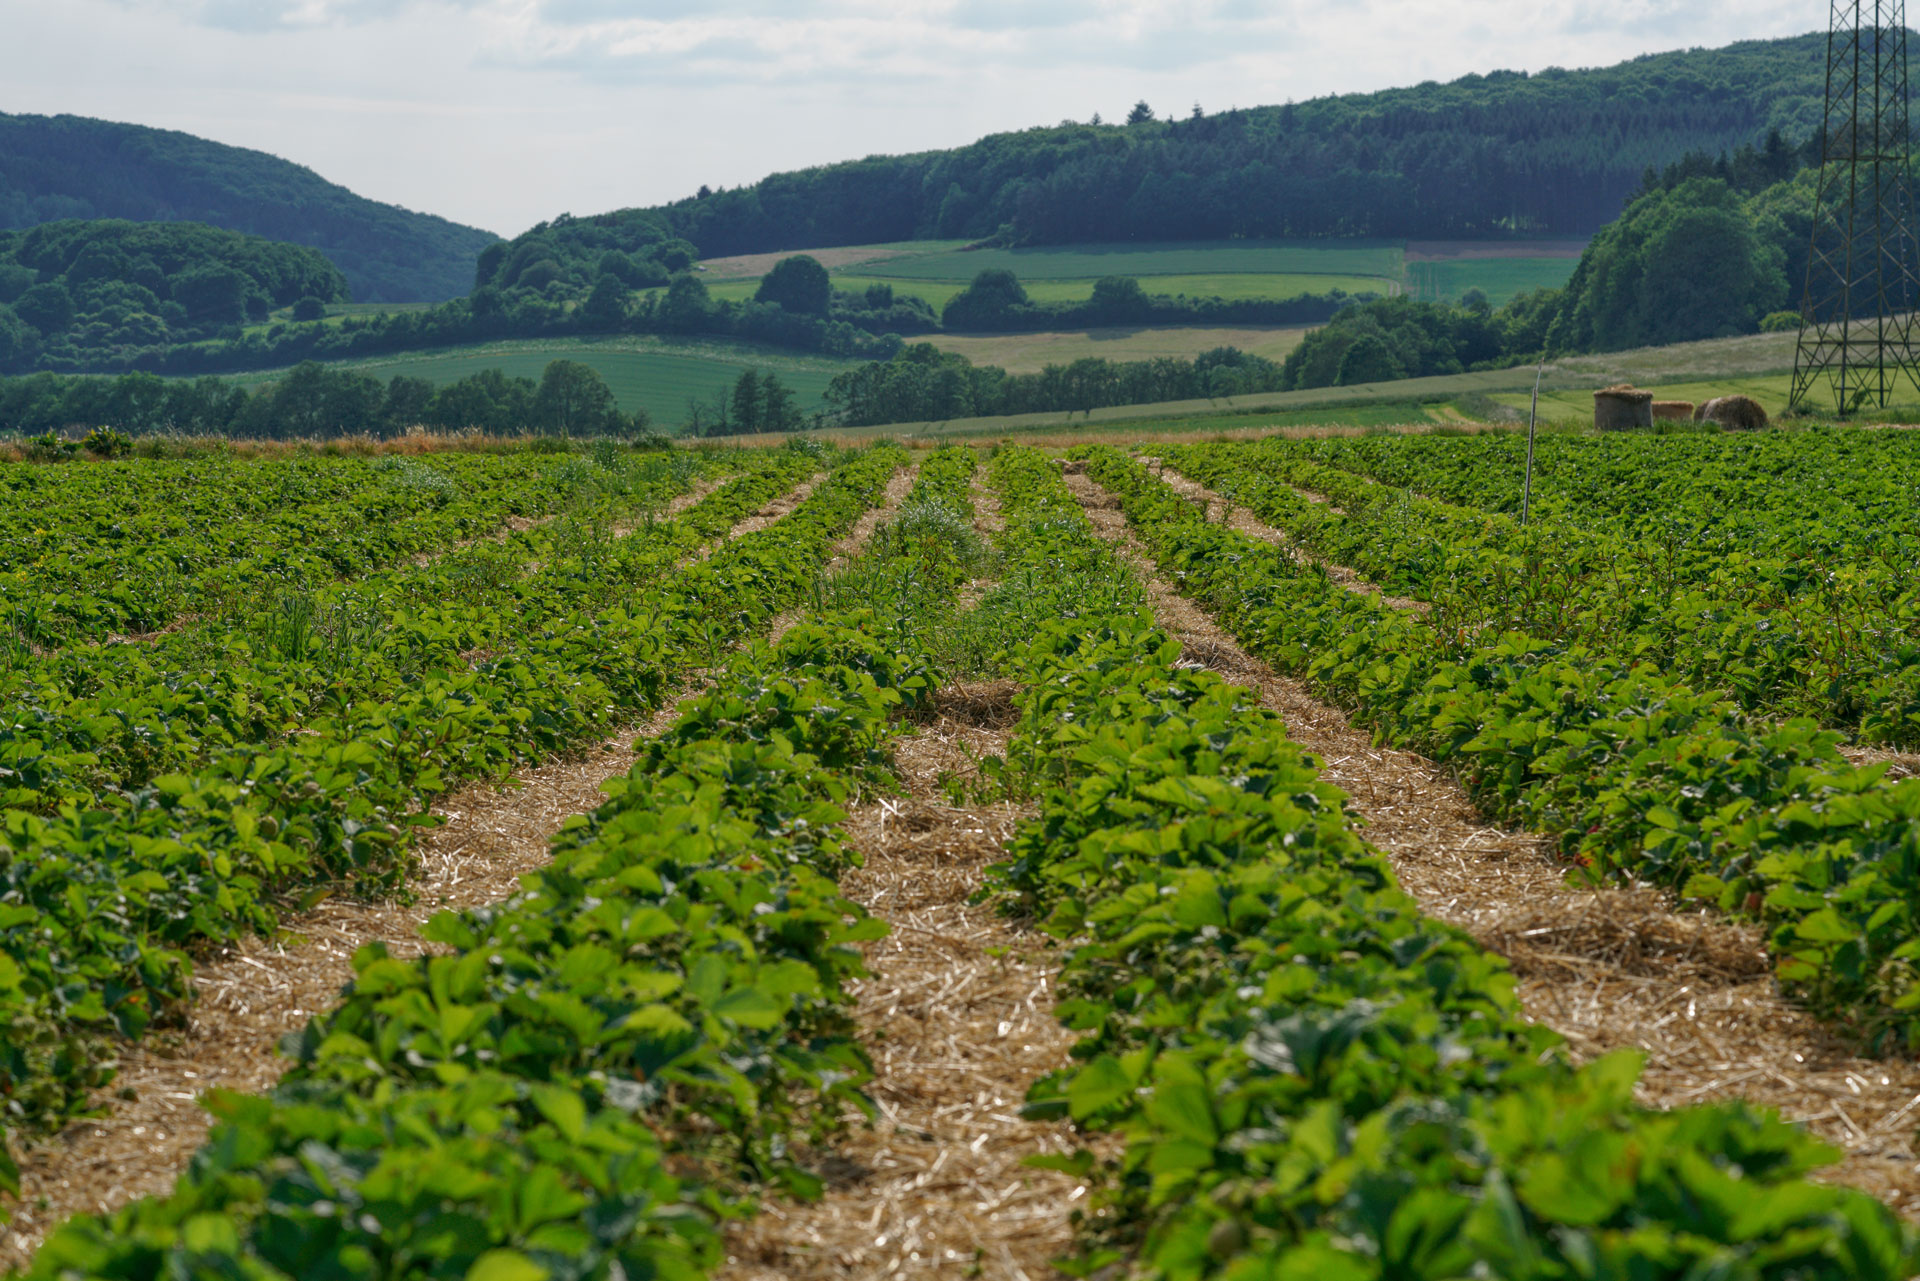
[[1857, 314]]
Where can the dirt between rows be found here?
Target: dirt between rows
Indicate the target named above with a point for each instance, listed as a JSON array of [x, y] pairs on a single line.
[[1608, 969], [251, 995], [958, 1017]]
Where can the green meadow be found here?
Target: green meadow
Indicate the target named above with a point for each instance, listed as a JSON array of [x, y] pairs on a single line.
[[1372, 258], [1501, 279]]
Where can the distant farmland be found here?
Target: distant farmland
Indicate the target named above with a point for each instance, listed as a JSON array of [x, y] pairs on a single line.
[[642, 374], [1499, 278]]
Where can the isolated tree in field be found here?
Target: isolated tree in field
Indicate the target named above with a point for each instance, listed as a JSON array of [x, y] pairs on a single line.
[[573, 400], [1475, 299], [798, 284], [1141, 113], [986, 303], [1118, 300], [309, 308]]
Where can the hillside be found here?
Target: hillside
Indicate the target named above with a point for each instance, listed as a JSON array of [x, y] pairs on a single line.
[[1552, 153], [77, 293], [61, 167]]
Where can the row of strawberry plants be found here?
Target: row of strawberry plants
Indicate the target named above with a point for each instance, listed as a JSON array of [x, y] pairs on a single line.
[[1822, 629], [594, 1072], [86, 724], [97, 905], [1313, 1080], [1782, 493], [128, 547], [588, 1078], [1636, 773]]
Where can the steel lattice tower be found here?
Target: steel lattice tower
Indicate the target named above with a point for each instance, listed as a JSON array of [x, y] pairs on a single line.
[[1857, 314]]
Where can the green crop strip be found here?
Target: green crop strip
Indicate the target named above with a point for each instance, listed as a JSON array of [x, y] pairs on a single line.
[[90, 724], [96, 906], [89, 551], [1771, 571], [1311, 1079], [602, 1069], [1634, 771]]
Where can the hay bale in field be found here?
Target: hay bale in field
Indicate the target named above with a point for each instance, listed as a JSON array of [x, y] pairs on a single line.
[[1622, 408], [1675, 411], [1735, 413]]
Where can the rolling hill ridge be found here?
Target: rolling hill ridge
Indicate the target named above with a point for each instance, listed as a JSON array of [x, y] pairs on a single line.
[[67, 167]]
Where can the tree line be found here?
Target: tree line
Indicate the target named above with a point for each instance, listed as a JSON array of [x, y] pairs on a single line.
[[1555, 151], [924, 384], [314, 401]]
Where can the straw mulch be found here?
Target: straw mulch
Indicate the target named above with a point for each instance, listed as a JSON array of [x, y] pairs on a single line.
[[959, 1020], [251, 995], [1608, 969], [1245, 522], [780, 506], [899, 485]]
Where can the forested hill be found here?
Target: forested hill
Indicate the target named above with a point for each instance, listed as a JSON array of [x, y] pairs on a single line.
[[1554, 152], [58, 167]]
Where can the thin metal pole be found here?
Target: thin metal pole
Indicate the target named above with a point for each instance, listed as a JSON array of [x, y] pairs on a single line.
[[1526, 494]]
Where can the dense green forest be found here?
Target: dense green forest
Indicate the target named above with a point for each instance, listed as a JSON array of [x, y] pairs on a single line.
[[72, 293], [1690, 259], [1552, 152], [66, 167]]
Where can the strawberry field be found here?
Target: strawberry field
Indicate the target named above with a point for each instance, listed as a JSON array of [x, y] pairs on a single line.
[[235, 690]]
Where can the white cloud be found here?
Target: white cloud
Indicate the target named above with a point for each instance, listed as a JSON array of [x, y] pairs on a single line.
[[505, 112]]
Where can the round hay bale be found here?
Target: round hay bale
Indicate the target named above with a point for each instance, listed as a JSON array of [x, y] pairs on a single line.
[[1677, 411], [1735, 413], [1622, 408]]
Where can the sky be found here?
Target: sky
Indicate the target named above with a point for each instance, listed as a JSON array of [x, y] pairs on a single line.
[[504, 113]]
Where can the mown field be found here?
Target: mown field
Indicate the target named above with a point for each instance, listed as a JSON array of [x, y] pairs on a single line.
[[1230, 859], [939, 292], [1501, 279]]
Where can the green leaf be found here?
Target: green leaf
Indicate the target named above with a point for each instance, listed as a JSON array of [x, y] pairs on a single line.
[[749, 1007], [505, 1265], [1097, 1086], [564, 1107]]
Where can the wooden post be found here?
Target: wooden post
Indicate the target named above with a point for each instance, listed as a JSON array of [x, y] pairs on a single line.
[[1526, 494]]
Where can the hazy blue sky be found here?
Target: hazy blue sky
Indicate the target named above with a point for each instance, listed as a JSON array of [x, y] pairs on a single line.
[[505, 112]]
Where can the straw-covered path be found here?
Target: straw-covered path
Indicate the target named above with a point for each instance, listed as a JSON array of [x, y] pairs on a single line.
[[958, 1017], [249, 996], [1608, 969]]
